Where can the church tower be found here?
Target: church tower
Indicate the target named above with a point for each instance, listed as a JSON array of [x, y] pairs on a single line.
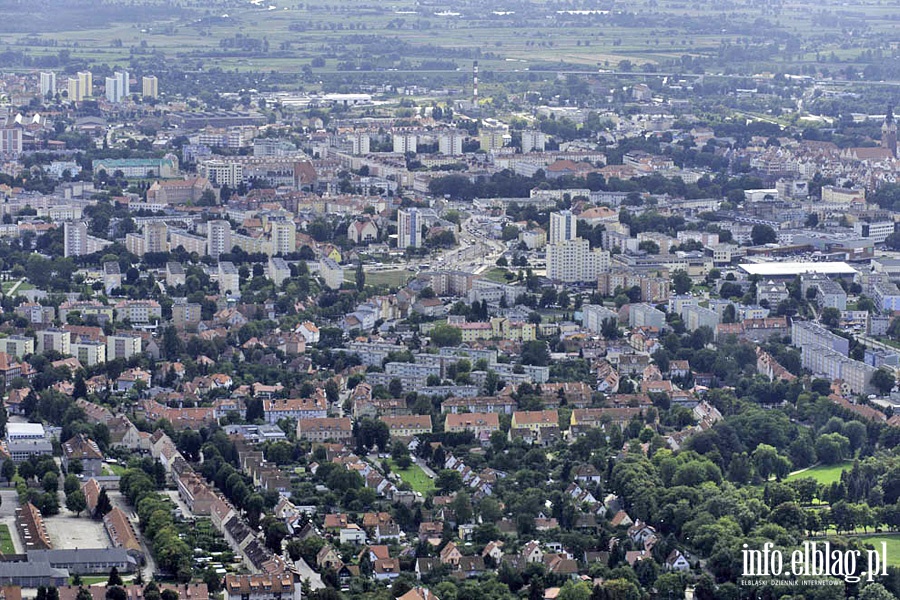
[[889, 132]]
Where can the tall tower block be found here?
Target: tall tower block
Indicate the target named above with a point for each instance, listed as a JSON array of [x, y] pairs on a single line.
[[889, 132]]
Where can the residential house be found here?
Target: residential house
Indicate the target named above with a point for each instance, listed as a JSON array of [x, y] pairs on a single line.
[[85, 450], [431, 532], [481, 424], [122, 534], [538, 426], [296, 408], [532, 553], [386, 569], [352, 534], [276, 586], [408, 425], [676, 561], [328, 558], [450, 554], [418, 593], [325, 429]]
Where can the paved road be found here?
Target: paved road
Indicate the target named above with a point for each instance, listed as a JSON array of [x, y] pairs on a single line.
[[869, 341], [8, 516], [424, 467], [10, 501], [306, 573]]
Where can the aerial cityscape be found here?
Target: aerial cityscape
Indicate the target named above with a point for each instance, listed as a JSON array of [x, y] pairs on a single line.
[[449, 300]]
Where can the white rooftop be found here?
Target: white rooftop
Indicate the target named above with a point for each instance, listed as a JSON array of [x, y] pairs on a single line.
[[24, 430], [784, 269]]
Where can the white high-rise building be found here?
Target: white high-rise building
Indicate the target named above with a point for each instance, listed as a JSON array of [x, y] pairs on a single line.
[[493, 134], [150, 86], [11, 140], [409, 228], [74, 238], [156, 237], [360, 143], [593, 316], [451, 142], [48, 83], [533, 141], [405, 142], [284, 237], [221, 173], [218, 238], [562, 227], [117, 87], [114, 90], [573, 261], [229, 279], [75, 90], [87, 83], [124, 82]]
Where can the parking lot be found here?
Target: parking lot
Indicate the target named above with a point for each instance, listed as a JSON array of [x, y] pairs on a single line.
[[68, 532]]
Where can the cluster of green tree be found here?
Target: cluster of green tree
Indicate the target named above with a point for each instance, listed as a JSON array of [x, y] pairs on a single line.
[[346, 487], [154, 510], [219, 467], [38, 482]]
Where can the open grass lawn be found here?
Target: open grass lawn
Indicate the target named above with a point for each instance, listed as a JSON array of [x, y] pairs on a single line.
[[87, 580], [824, 473], [893, 545], [392, 279], [114, 469], [23, 287], [415, 477], [6, 543], [497, 275]]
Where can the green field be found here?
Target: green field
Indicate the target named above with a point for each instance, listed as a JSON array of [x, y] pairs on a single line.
[[87, 580], [392, 279], [114, 469], [6, 543], [664, 31], [497, 274], [893, 546], [415, 477], [23, 286], [826, 474]]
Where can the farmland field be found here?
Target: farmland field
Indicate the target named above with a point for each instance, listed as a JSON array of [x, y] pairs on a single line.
[[522, 39]]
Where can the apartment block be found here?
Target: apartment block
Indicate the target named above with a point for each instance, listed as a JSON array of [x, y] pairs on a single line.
[[122, 346]]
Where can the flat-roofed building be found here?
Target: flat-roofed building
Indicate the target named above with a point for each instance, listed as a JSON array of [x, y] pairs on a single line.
[[122, 345], [17, 345], [229, 279]]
